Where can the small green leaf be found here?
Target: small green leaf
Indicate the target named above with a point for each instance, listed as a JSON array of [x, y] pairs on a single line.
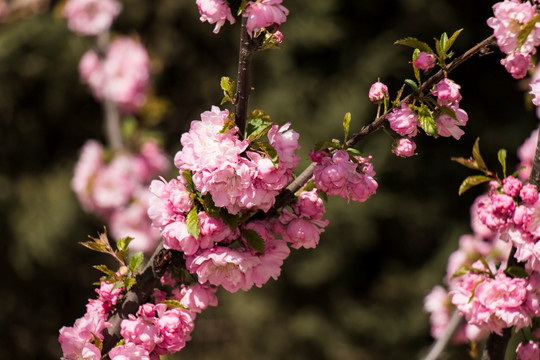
[[268, 150], [415, 43], [135, 261], [516, 272], [346, 125], [472, 181], [229, 124], [253, 239], [123, 243], [97, 341], [227, 85], [310, 186], [443, 42], [129, 282], [188, 176], [526, 30], [416, 71], [175, 304], [477, 156], [427, 123], [447, 111], [398, 96], [322, 195], [129, 127], [412, 84], [104, 269], [502, 160], [242, 7], [451, 41], [258, 126], [231, 220], [354, 151], [192, 222], [470, 163], [209, 206], [92, 245], [515, 173], [118, 285]]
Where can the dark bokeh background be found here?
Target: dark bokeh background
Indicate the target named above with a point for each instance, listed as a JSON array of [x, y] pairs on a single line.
[[359, 294]]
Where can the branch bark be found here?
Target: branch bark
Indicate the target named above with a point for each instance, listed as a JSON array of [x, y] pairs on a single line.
[[436, 350]]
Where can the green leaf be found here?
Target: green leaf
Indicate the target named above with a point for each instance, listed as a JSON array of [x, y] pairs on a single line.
[[515, 173], [227, 85], [118, 285], [526, 30], [516, 272], [242, 7], [258, 126], [412, 84], [427, 123], [322, 195], [416, 71], [472, 181], [231, 220], [92, 245], [192, 222], [354, 151], [188, 176], [123, 243], [104, 269], [129, 282], [451, 41], [209, 206], [253, 239], [470, 163], [443, 42], [129, 127], [310, 186], [501, 155], [97, 341], [135, 261], [229, 124], [398, 96], [447, 111], [346, 125], [415, 43], [477, 156], [173, 304], [466, 269], [268, 150]]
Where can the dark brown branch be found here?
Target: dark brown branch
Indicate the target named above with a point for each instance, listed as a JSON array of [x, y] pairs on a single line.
[[146, 281], [496, 344], [248, 47]]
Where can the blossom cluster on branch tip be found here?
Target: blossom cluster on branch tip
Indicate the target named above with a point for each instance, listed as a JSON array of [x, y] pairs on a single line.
[[491, 294], [114, 186], [260, 14]]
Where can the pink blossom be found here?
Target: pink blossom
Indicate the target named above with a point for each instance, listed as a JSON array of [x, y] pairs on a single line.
[[510, 16], [169, 201], [535, 91], [176, 236], [264, 13], [511, 186], [309, 205], [141, 331], [403, 120], [528, 351], [198, 297], [517, 64], [404, 148], [129, 351], [285, 141], [229, 268], [76, 340], [214, 230], [447, 92], [276, 251], [497, 211], [302, 233], [479, 228], [122, 76], [87, 167], [425, 61], [378, 92], [449, 126], [175, 327], [215, 12], [91, 17], [529, 194]]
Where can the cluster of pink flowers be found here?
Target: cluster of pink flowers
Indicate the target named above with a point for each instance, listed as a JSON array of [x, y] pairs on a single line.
[[115, 187], [223, 177], [121, 76], [91, 17], [350, 177], [78, 341], [260, 14], [510, 16]]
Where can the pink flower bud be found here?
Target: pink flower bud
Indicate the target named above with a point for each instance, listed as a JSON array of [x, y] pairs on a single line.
[[377, 92], [425, 61], [404, 148]]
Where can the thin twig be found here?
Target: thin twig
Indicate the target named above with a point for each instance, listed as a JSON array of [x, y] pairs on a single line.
[[438, 347]]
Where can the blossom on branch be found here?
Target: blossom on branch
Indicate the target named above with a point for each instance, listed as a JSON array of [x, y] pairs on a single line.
[[91, 17], [215, 12], [264, 13]]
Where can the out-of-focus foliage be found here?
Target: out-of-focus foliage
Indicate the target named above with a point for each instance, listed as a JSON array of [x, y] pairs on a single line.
[[359, 294]]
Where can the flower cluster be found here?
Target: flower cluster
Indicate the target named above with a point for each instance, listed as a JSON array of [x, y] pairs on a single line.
[[350, 177], [121, 76], [260, 14], [115, 187], [510, 17]]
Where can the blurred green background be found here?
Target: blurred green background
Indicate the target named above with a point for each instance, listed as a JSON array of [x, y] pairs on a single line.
[[359, 294]]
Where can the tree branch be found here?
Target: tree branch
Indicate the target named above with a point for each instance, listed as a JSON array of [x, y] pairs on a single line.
[[436, 350]]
